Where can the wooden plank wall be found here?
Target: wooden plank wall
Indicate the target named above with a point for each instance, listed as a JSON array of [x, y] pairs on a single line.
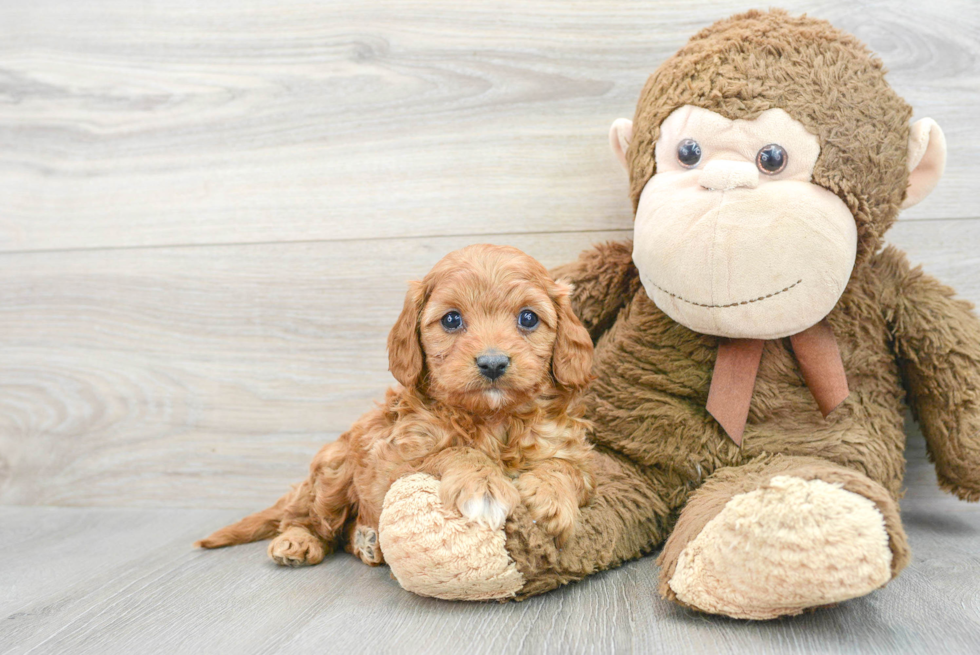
[[208, 210]]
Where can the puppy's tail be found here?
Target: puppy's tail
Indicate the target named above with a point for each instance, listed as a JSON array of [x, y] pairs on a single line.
[[254, 527]]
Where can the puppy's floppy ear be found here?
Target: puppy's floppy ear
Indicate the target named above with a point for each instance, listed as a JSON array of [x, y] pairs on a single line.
[[571, 361], [405, 358]]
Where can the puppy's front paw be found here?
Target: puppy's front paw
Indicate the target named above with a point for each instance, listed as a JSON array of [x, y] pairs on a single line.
[[296, 547], [552, 506], [485, 499], [485, 509]]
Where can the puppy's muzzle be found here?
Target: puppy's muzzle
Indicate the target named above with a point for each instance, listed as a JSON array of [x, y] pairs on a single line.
[[492, 364]]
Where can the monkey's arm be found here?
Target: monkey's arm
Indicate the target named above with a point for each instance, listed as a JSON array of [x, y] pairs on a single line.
[[937, 343], [603, 279]]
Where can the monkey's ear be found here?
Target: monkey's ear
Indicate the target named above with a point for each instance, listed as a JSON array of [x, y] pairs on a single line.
[[620, 135], [405, 359], [927, 160]]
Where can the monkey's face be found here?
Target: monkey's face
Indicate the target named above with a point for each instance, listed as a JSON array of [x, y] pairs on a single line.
[[731, 237]]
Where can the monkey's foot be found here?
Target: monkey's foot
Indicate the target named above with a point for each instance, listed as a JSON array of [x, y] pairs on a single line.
[[434, 551], [790, 545]]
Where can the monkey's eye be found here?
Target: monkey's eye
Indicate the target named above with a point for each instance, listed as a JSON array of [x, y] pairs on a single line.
[[527, 319], [772, 159], [452, 321], [688, 153]]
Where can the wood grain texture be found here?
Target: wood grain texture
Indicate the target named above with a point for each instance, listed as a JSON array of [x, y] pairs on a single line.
[[208, 212], [181, 122], [209, 376], [89, 580], [134, 376]]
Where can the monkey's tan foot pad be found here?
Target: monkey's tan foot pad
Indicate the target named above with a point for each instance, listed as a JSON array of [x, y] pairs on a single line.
[[780, 549], [296, 547], [433, 551], [366, 545]]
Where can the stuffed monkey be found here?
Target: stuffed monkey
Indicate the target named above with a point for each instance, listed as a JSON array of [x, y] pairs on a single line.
[[756, 345]]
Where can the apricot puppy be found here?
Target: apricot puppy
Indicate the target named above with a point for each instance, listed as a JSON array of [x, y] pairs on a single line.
[[491, 361]]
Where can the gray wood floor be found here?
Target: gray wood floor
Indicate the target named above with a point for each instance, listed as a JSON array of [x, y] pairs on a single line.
[[208, 212], [122, 580]]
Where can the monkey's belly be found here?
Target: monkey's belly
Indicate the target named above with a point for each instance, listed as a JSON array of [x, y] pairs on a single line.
[[652, 379]]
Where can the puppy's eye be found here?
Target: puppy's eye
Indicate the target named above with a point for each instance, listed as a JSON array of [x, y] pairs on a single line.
[[689, 153], [452, 321], [772, 159], [527, 319]]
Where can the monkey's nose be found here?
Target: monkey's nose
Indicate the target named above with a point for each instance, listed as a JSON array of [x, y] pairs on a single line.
[[721, 175], [492, 364]]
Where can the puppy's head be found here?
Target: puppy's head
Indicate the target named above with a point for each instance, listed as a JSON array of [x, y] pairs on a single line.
[[488, 329]]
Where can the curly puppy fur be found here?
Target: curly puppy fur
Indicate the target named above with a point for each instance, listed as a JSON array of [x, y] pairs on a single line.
[[495, 443]]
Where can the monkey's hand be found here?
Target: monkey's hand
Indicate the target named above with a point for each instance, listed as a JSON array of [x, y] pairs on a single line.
[[937, 345]]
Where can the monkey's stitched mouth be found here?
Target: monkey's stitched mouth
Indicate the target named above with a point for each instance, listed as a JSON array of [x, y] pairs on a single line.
[[731, 304]]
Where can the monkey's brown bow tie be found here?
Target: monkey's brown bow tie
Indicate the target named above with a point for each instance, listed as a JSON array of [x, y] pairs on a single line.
[[738, 363]]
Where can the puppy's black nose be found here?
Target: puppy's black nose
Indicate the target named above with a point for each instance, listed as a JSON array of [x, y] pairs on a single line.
[[492, 365]]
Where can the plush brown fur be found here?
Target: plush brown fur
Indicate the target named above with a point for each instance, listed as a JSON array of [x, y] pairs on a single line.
[[519, 439], [905, 341], [822, 77]]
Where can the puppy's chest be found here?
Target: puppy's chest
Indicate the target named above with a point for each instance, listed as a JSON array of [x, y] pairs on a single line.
[[510, 444]]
